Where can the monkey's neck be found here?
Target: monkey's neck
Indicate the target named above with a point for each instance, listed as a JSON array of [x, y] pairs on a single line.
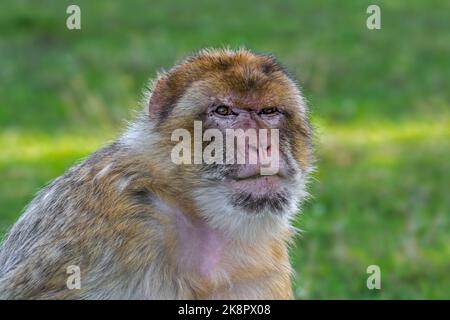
[[208, 259], [199, 248]]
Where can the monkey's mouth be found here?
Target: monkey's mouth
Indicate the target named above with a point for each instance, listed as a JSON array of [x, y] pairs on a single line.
[[248, 179], [257, 184]]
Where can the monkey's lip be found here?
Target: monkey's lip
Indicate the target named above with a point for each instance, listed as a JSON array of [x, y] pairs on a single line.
[[255, 171], [257, 184]]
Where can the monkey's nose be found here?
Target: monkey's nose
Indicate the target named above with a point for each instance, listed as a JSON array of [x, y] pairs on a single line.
[[257, 154]]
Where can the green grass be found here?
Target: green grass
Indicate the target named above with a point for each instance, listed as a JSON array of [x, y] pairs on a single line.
[[379, 99]]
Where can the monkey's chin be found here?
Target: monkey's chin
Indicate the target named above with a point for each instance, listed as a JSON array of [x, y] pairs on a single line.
[[260, 194]]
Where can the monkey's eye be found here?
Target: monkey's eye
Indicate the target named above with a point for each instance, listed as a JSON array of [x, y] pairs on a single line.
[[223, 110], [269, 111]]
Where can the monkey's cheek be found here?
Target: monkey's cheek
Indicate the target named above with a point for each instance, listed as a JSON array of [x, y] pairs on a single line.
[[260, 186]]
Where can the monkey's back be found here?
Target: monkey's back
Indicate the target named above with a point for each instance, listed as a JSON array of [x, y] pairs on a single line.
[[85, 218]]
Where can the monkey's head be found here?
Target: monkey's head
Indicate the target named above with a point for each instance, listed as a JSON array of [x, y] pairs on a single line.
[[250, 178]]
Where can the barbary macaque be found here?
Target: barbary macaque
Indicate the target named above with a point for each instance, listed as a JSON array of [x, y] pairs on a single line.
[[137, 224]]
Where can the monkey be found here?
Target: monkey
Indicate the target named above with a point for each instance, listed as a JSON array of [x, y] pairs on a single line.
[[139, 226]]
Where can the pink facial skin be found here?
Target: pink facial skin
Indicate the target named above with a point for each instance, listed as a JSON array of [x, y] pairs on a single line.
[[247, 177]]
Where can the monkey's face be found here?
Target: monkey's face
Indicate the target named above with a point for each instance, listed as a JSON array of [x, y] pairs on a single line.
[[254, 137], [258, 170]]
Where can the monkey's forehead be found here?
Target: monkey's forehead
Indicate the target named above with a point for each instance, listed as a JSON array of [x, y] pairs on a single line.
[[244, 95]]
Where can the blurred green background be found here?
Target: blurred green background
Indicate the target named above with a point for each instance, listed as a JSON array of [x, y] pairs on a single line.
[[379, 99]]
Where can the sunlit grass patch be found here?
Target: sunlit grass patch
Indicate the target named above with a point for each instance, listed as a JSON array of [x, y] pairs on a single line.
[[22, 146], [380, 196]]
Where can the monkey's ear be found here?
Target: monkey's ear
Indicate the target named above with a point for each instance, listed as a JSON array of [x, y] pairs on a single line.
[[159, 98]]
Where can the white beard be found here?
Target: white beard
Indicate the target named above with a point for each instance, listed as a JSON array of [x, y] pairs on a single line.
[[216, 207]]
